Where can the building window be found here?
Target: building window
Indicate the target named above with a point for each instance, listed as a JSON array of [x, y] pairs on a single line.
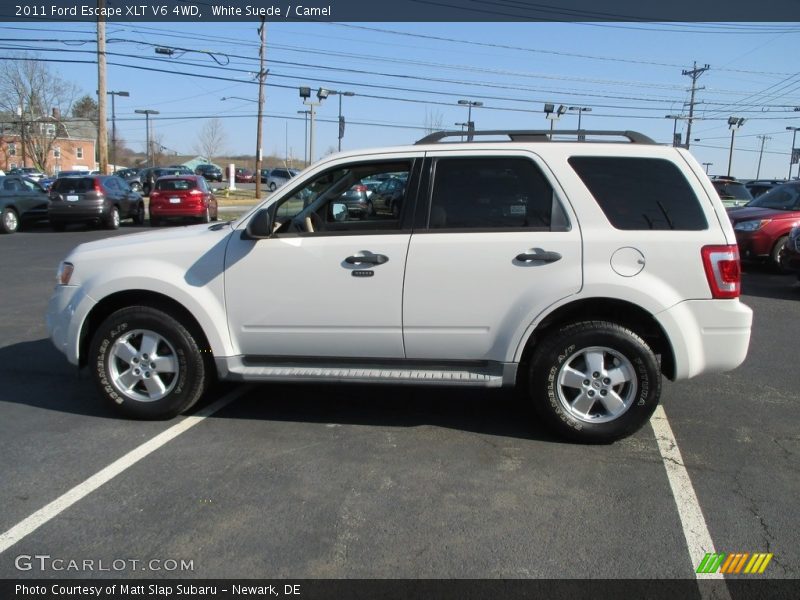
[[79, 152], [12, 149], [57, 152]]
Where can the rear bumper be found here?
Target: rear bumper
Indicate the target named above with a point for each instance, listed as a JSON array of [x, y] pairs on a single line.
[[708, 336], [66, 211]]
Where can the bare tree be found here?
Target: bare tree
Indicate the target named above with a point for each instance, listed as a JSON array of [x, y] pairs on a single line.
[[36, 99], [434, 120], [211, 140]]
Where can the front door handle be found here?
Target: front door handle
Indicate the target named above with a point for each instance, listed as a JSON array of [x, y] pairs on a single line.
[[544, 256], [370, 259]]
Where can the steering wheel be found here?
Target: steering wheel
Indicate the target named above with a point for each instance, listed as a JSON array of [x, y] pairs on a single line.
[[308, 224]]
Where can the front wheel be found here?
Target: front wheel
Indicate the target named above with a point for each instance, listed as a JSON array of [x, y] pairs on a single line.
[[775, 255], [9, 221], [272, 187], [595, 381], [147, 364]]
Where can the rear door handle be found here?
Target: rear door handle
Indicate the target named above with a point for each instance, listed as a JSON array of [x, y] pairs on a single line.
[[370, 259], [545, 256]]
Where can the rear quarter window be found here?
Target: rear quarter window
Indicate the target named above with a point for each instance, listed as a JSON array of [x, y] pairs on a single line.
[[641, 193]]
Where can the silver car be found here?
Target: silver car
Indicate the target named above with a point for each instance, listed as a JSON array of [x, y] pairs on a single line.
[[277, 177]]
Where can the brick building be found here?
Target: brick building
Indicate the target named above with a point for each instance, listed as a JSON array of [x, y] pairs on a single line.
[[52, 143]]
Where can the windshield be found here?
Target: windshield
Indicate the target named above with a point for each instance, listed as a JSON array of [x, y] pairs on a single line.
[[783, 197]]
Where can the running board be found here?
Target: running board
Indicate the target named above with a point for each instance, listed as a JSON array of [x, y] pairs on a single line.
[[489, 375]]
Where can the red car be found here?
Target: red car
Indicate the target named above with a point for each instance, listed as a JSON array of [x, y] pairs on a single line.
[[182, 196], [762, 227], [244, 176]]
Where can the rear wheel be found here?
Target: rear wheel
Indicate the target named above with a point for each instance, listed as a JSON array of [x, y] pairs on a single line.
[[272, 187], [112, 220], [9, 221], [594, 381], [147, 364]]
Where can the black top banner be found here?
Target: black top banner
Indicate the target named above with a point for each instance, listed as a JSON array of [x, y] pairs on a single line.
[[729, 11]]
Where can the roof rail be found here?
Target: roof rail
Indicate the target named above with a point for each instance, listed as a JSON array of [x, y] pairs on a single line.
[[535, 135]]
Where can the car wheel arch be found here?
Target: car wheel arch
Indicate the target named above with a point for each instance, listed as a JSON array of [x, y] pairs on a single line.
[[622, 312], [115, 301]]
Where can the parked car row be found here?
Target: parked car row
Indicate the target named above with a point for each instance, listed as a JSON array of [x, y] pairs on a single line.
[[103, 200]]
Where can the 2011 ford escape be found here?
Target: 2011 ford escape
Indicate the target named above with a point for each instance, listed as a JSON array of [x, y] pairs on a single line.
[[581, 272]]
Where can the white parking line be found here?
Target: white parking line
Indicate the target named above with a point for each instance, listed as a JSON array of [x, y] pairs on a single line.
[[693, 523], [60, 504]]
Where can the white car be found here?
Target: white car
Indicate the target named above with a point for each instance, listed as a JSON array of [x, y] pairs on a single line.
[[581, 272]]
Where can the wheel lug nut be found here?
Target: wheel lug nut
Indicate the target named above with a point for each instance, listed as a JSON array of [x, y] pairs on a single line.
[[603, 392], [144, 356], [135, 360], [152, 365], [147, 373], [591, 393], [606, 380], [136, 371], [595, 374], [586, 382]]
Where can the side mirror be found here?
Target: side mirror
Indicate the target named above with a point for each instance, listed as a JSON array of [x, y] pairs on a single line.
[[260, 225], [339, 211]]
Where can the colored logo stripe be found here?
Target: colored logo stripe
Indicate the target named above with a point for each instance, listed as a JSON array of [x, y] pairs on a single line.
[[734, 563]]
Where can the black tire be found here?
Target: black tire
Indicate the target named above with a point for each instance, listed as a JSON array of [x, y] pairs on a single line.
[[112, 219], [272, 187], [9, 220], [568, 353], [138, 217], [58, 225], [177, 347], [775, 255], [206, 218]]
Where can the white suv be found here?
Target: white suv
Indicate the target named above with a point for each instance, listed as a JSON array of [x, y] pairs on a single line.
[[579, 271]]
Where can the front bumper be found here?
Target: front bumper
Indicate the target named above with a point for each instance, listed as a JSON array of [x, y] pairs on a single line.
[[754, 245], [65, 315]]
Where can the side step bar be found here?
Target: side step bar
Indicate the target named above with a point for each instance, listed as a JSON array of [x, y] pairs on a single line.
[[489, 375]]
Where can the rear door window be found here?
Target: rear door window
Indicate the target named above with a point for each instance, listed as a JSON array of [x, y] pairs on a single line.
[[641, 193], [493, 193]]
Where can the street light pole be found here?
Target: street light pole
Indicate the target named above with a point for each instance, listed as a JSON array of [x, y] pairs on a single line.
[[794, 131], [581, 110], [114, 126], [305, 136], [341, 118], [305, 94], [470, 124], [733, 123], [763, 138], [147, 113], [259, 127], [706, 165]]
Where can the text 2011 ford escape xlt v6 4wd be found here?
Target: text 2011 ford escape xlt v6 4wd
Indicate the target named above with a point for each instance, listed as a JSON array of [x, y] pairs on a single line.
[[579, 271]]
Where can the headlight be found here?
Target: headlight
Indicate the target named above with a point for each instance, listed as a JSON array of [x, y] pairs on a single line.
[[64, 273], [751, 225]]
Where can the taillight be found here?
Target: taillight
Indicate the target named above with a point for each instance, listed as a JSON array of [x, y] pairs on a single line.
[[722, 270], [98, 187]]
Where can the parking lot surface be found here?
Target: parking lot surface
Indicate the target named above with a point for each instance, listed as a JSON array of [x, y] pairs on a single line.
[[343, 481]]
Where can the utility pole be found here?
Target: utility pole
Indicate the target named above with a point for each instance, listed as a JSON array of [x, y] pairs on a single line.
[[794, 131], [695, 75], [102, 128], [261, 76], [763, 139]]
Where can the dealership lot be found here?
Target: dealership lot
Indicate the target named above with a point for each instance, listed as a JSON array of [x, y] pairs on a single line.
[[349, 481]]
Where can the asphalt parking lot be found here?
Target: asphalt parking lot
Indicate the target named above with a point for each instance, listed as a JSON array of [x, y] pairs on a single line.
[[368, 482]]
